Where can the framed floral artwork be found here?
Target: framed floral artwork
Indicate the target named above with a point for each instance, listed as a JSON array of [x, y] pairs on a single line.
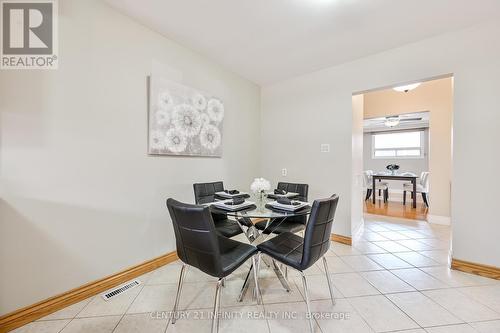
[[183, 121]]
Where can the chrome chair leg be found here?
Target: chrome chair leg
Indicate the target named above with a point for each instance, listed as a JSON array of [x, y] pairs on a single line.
[[281, 276], [284, 269], [256, 280], [259, 257], [306, 294], [266, 262], [329, 279], [178, 296], [245, 285], [215, 319]]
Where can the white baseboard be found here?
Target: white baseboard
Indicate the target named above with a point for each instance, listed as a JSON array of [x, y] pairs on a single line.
[[437, 219]]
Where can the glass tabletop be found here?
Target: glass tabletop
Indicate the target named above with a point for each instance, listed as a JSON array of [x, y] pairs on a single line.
[[399, 174], [262, 211]]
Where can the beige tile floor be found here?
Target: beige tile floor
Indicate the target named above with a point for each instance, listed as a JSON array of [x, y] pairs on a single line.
[[395, 278]]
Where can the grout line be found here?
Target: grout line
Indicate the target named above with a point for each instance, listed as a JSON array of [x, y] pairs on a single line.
[[361, 316], [69, 321], [439, 239], [90, 301], [128, 307], [397, 277], [483, 321], [74, 317], [445, 309], [475, 299], [404, 311], [98, 316], [384, 295], [448, 325], [293, 283]]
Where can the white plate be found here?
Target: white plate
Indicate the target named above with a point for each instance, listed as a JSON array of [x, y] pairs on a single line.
[[287, 195], [221, 204], [230, 196], [277, 205]]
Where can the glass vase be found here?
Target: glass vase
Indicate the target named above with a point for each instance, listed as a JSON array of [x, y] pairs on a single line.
[[260, 200]]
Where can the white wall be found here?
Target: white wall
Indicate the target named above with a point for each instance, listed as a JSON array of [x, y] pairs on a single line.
[[296, 119], [299, 114], [415, 165], [358, 106], [79, 197]]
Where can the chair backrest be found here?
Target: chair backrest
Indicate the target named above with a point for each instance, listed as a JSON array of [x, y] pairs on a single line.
[[205, 192], [196, 239], [424, 180], [318, 230], [422, 174], [301, 189], [367, 178]]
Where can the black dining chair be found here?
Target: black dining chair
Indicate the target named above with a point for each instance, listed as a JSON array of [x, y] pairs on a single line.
[[301, 253], [205, 193], [291, 224], [199, 245]]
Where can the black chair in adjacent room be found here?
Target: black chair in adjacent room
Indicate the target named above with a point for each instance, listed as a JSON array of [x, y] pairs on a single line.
[[201, 246], [291, 224], [205, 193], [301, 253]]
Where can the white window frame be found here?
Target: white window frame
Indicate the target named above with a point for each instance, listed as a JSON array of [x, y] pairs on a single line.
[[421, 148]]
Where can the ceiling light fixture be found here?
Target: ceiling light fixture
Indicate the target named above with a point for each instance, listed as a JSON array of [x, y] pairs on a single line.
[[407, 87], [391, 121]]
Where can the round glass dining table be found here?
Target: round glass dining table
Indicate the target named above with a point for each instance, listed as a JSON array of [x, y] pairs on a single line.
[[247, 217], [264, 211]]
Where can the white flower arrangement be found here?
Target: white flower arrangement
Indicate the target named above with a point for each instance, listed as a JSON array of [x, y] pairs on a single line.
[[187, 119], [260, 185], [175, 140], [215, 110], [199, 101], [165, 101], [210, 137], [157, 140]]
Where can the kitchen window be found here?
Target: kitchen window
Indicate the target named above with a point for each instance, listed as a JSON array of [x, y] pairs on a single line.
[[398, 145]]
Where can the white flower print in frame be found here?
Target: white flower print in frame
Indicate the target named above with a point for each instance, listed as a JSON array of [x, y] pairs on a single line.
[[183, 121]]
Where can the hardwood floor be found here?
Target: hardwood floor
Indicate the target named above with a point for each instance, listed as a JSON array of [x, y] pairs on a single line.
[[396, 209]]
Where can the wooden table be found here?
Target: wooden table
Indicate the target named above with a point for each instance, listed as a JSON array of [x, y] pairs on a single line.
[[412, 179]]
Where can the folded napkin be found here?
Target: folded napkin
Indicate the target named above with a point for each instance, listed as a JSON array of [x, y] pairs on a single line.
[[278, 191], [284, 201], [288, 202], [231, 191], [238, 201]]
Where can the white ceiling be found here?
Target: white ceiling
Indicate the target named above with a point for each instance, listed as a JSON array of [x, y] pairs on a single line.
[[270, 40]]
